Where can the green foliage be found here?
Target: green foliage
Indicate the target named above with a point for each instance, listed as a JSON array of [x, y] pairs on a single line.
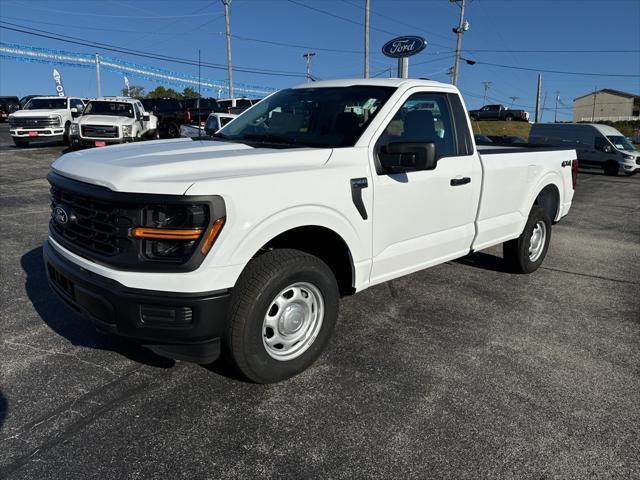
[[189, 93], [162, 92], [487, 127]]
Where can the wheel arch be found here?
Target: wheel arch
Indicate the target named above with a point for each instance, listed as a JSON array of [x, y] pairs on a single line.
[[548, 195]]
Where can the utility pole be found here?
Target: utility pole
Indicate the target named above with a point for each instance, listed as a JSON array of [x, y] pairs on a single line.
[[538, 98], [555, 116], [544, 102], [227, 3], [98, 72], [307, 56], [513, 100], [462, 27], [366, 38], [595, 97], [486, 89]]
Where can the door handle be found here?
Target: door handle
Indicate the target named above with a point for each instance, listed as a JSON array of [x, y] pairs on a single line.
[[460, 181]]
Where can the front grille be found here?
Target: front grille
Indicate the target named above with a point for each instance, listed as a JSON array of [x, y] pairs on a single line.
[[35, 122], [99, 131], [91, 224]]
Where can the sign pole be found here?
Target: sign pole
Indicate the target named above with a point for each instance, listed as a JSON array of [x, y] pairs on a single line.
[[402, 48], [98, 72]]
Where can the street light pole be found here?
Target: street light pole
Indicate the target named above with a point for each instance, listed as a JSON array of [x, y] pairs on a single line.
[[227, 3], [307, 56], [459, 30], [366, 38], [486, 89], [555, 116], [98, 72]]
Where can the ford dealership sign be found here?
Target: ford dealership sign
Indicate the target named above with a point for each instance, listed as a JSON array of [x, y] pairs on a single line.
[[404, 46]]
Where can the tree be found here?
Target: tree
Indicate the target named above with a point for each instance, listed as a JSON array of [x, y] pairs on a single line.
[[189, 93], [162, 92], [135, 91]]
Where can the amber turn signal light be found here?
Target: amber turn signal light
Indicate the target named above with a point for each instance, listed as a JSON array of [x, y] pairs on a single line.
[[167, 233], [212, 235]]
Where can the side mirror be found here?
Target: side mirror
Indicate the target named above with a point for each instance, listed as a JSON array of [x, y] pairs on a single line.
[[145, 117], [74, 112], [399, 157]]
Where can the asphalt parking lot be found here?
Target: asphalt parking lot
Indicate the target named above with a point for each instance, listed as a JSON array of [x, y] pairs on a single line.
[[460, 371]]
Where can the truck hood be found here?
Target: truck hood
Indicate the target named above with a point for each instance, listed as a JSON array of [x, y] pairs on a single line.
[[172, 166], [104, 120], [39, 113]]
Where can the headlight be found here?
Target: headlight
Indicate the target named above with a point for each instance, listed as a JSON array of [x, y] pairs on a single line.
[[628, 157], [126, 130], [74, 129], [174, 232]]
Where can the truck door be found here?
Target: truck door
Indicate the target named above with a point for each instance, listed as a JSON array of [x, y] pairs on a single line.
[[421, 218]]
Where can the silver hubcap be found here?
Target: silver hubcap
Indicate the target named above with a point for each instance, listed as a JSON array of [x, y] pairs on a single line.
[[292, 321], [538, 238]]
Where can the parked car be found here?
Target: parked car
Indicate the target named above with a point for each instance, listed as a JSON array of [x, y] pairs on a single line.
[[498, 112], [44, 118], [482, 139], [249, 239], [236, 105], [26, 98], [109, 120], [598, 146], [172, 113], [506, 139], [8, 105], [215, 121]]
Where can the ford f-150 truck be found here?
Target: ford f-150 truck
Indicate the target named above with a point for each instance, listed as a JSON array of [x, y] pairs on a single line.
[[498, 112], [44, 118], [246, 240]]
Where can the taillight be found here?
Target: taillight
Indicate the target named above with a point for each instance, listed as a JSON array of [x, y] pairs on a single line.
[[574, 173], [187, 116]]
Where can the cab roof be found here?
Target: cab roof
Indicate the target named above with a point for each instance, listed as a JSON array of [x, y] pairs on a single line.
[[380, 82]]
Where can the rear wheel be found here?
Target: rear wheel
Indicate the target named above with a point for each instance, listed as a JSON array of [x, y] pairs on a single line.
[[173, 130], [526, 253], [611, 168], [509, 117], [474, 118], [20, 142], [282, 314]]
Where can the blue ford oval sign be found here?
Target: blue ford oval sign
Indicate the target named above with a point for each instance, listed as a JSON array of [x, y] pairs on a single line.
[[404, 46]]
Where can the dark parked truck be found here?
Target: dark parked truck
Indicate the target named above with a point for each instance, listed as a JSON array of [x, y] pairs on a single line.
[[244, 242], [172, 113], [498, 112]]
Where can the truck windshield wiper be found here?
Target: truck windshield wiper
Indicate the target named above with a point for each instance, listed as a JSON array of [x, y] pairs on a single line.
[[269, 137]]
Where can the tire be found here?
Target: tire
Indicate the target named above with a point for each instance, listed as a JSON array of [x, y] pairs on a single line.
[[474, 118], [173, 130], [611, 168], [154, 135], [66, 134], [20, 143], [277, 281], [524, 254], [508, 118]]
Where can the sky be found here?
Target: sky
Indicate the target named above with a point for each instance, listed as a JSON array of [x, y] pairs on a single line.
[[511, 33]]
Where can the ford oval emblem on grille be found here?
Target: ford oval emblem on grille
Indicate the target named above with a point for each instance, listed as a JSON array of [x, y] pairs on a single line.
[[63, 215]]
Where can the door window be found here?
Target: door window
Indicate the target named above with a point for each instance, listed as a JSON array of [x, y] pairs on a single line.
[[423, 118], [599, 144]]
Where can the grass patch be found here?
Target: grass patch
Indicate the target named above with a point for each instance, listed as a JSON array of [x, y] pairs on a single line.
[[487, 127]]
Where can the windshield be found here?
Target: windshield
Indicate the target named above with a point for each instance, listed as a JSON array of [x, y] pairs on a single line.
[[317, 117], [621, 143], [120, 109], [46, 104]]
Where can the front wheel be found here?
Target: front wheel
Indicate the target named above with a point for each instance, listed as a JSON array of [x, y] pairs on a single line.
[[282, 314], [611, 168], [526, 253]]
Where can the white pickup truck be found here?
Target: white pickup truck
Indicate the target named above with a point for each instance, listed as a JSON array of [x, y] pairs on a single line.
[[44, 119], [249, 239], [110, 120]]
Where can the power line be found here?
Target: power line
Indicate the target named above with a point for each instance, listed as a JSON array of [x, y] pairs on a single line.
[[127, 51], [560, 72], [88, 14], [476, 50], [401, 23]]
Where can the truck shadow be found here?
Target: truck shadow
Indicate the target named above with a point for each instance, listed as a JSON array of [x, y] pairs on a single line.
[[71, 326], [483, 261]]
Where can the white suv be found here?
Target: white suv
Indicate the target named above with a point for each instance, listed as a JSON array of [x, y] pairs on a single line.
[[44, 118], [109, 120]]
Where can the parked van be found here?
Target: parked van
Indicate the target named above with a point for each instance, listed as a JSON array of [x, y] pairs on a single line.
[[598, 146]]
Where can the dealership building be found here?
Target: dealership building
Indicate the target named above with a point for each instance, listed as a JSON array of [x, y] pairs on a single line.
[[606, 104]]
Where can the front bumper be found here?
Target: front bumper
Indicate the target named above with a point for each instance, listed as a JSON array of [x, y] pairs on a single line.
[[77, 141], [49, 133], [175, 325]]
